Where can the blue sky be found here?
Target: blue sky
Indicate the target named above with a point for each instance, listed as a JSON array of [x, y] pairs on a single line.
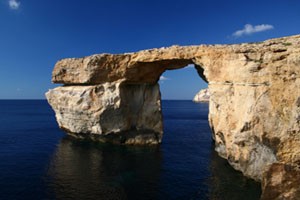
[[35, 34]]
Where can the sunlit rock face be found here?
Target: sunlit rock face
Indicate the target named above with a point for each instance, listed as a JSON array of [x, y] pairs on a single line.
[[109, 112], [254, 104], [254, 98], [202, 96]]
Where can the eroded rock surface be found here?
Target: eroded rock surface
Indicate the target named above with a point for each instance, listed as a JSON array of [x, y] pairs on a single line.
[[202, 96], [281, 181], [254, 109], [112, 112]]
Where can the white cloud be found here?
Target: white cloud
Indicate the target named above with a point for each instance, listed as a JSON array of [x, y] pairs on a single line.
[[14, 4], [163, 78], [249, 29]]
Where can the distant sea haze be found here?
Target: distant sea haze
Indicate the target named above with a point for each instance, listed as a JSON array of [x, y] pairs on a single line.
[[38, 161]]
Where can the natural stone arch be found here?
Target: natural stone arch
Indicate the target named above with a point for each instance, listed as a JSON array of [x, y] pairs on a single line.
[[254, 105], [123, 111], [118, 95]]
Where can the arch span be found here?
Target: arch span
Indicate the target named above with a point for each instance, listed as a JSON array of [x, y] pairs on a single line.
[[254, 106]]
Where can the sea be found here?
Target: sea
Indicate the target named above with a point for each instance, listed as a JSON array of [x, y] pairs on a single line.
[[38, 160]]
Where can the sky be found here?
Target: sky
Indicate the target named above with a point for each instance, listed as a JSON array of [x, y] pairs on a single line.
[[34, 35]]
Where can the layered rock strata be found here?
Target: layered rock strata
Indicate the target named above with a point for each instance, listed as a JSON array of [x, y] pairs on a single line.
[[254, 109], [202, 96]]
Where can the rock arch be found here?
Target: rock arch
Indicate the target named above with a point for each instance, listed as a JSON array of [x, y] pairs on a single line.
[[116, 98], [254, 107]]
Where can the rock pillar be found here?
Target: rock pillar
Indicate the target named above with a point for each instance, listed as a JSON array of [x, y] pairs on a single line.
[[110, 112]]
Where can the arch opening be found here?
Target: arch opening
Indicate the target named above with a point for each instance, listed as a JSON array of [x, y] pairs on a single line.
[[182, 83], [178, 87]]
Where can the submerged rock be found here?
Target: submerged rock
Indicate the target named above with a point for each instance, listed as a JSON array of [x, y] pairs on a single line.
[[254, 109], [202, 96]]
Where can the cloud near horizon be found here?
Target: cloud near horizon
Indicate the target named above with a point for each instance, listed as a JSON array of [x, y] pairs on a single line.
[[250, 29], [163, 78], [14, 4]]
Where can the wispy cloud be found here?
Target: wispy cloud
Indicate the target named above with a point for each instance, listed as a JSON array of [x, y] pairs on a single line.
[[163, 78], [249, 29], [14, 4]]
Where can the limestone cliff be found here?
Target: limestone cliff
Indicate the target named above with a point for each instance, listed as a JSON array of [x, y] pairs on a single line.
[[202, 96], [254, 109]]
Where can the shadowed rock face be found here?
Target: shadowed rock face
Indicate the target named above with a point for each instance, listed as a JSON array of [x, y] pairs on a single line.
[[281, 181], [254, 98]]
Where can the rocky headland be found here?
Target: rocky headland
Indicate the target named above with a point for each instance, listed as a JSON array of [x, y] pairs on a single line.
[[202, 96], [254, 107]]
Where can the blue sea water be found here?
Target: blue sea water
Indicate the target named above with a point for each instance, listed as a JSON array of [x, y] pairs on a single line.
[[38, 161]]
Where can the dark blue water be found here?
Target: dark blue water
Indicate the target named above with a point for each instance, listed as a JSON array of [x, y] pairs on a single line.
[[37, 160]]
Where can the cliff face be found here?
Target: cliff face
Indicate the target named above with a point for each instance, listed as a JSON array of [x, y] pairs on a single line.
[[254, 109], [202, 96], [281, 181]]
